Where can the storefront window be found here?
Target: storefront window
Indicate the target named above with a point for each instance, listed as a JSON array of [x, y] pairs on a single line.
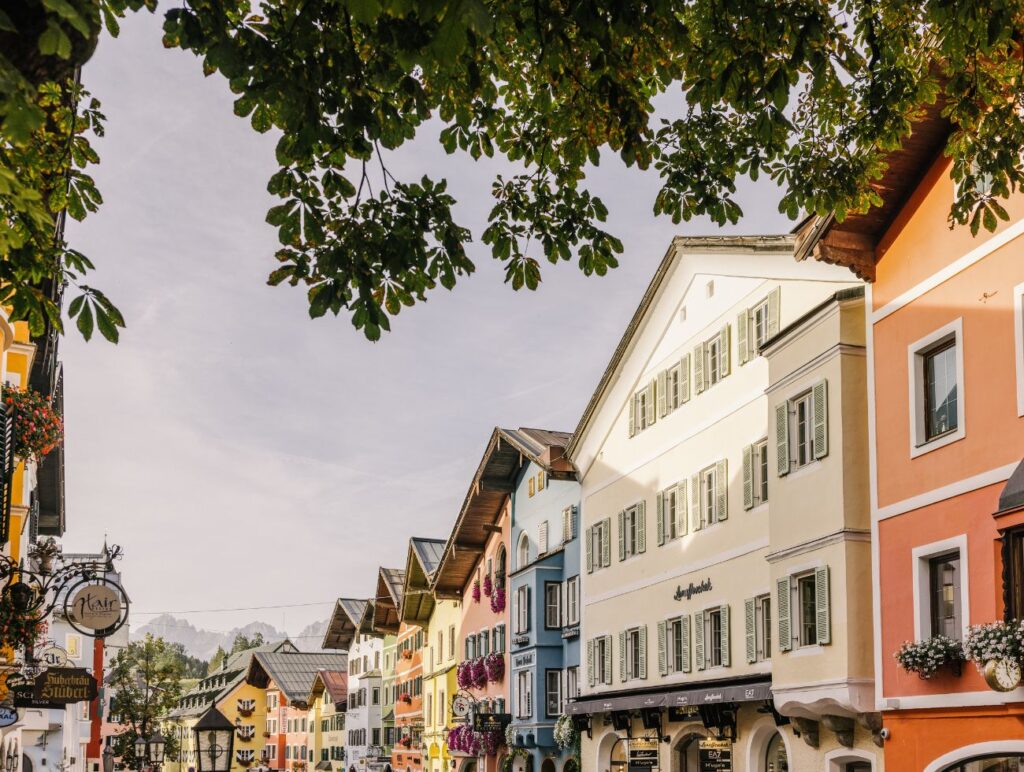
[[776, 759]]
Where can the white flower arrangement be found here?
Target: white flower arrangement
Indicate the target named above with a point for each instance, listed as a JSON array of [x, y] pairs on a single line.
[[565, 732], [926, 657], [510, 735], [995, 640]]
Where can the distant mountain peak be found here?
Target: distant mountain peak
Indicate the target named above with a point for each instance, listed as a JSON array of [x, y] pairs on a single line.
[[203, 643]]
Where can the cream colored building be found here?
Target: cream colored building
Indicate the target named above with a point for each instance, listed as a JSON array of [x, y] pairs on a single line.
[[673, 455]]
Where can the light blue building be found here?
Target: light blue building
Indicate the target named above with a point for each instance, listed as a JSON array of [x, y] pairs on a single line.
[[544, 593]]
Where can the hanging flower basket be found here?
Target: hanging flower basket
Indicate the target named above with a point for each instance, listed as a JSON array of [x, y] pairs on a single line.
[[926, 657], [995, 640], [17, 630], [498, 600], [565, 732], [476, 591], [38, 428], [494, 665], [488, 585], [479, 673], [464, 674]]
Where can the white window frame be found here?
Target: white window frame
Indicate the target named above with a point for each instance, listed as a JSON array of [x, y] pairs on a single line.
[[916, 352], [674, 638], [1018, 343], [523, 610], [632, 654], [670, 515], [796, 603], [601, 644], [524, 694], [631, 524], [762, 307], [572, 601], [709, 637], [760, 476], [523, 550], [712, 361], [921, 557], [552, 592], [805, 397], [763, 627], [709, 489], [559, 698]]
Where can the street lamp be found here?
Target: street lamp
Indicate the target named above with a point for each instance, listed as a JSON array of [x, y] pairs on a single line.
[[215, 737], [140, 750], [156, 748]]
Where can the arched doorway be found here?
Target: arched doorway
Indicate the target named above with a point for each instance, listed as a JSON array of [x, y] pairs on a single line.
[[548, 765], [1010, 762], [686, 753], [570, 766], [776, 759], [618, 761]]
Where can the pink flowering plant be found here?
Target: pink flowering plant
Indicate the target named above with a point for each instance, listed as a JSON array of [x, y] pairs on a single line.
[[498, 600], [464, 674], [494, 664], [476, 591], [479, 673], [995, 640], [488, 585], [926, 657], [38, 428]]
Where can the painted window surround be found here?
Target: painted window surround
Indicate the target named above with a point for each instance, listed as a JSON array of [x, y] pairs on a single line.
[[922, 608], [915, 382]]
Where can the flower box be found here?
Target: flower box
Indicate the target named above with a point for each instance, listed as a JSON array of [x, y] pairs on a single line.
[[927, 657]]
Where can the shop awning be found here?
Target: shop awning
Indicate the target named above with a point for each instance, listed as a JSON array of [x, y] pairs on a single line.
[[706, 694]]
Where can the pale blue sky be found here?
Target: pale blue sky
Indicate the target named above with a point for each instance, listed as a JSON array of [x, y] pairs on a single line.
[[245, 455]]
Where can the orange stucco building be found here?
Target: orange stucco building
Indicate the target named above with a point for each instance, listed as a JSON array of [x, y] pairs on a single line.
[[946, 428], [407, 754]]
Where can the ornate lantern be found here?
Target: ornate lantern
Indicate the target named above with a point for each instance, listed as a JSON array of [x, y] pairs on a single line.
[[215, 737], [156, 748]]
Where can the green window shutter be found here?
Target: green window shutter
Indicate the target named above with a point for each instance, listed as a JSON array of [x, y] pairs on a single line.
[[782, 438], [662, 389], [608, 659], [632, 415], [782, 611], [726, 644], [662, 655], [659, 514], [742, 339], [698, 368], [622, 657], [686, 643], [698, 639], [606, 543], [724, 338], [722, 489], [684, 379], [681, 508], [750, 626], [590, 549], [622, 535], [774, 298], [748, 476], [590, 662], [643, 651], [820, 400], [640, 513], [696, 515], [823, 605], [652, 407]]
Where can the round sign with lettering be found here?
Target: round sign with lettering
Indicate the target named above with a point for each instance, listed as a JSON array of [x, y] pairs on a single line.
[[96, 607], [8, 716], [461, 705], [53, 656]]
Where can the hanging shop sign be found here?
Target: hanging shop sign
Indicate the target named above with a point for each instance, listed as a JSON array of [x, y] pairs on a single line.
[[714, 756], [97, 607], [8, 716], [685, 593], [491, 722], [462, 704], [56, 688], [53, 656], [643, 754], [683, 713]]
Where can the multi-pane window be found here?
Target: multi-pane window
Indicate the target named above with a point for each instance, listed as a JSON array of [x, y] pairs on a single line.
[[944, 589], [553, 693], [451, 641], [642, 413], [1013, 561], [572, 600], [713, 637], [552, 605], [714, 361], [524, 694], [523, 610], [603, 659], [759, 324], [708, 489], [376, 695], [807, 601], [598, 545], [762, 628], [483, 643], [755, 474], [676, 645], [631, 522], [634, 659], [940, 391], [572, 683], [803, 429], [568, 524], [523, 551], [498, 639]]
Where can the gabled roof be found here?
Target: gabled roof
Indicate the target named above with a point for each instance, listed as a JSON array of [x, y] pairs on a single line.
[[333, 682], [344, 623], [293, 671], [390, 588], [705, 244], [420, 566], [495, 478], [852, 242]]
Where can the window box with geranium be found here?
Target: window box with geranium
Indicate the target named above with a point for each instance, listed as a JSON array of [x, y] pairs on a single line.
[[476, 591], [927, 657], [479, 673], [498, 600], [405, 697], [995, 640], [494, 665], [38, 428], [488, 585]]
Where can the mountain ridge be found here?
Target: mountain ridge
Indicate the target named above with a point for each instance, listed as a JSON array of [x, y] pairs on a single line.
[[203, 643]]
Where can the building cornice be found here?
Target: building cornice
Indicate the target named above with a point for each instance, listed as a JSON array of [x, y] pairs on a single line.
[[842, 535]]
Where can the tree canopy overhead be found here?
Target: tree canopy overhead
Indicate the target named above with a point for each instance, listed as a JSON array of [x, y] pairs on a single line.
[[812, 93]]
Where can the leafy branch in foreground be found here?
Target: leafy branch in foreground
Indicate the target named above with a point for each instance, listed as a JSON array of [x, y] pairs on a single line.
[[813, 94]]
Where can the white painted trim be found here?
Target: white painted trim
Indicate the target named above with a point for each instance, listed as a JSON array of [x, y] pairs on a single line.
[[983, 250], [958, 488], [1018, 343], [915, 380], [876, 603], [953, 700], [679, 571], [978, 749], [920, 557], [834, 760]]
